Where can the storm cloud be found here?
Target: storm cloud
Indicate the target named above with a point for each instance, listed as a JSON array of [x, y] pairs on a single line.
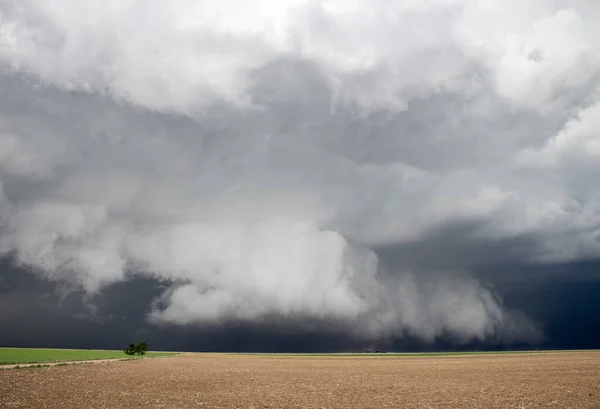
[[368, 171]]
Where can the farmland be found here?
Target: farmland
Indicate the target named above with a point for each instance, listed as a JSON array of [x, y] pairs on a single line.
[[43, 355], [549, 380]]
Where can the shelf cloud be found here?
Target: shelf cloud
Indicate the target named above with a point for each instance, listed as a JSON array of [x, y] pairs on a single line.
[[373, 167]]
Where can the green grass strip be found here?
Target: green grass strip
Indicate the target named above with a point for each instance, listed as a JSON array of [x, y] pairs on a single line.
[[39, 355]]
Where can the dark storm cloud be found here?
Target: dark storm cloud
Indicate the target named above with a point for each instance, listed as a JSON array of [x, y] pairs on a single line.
[[290, 168], [38, 314]]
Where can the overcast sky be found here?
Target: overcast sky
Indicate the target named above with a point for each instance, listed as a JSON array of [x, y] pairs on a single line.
[[300, 174]]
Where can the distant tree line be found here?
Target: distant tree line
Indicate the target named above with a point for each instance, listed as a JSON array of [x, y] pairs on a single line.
[[139, 349]]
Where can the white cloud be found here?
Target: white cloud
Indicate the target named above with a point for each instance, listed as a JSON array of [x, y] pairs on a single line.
[[258, 153]]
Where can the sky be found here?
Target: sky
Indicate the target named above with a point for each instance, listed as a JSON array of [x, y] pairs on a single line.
[[300, 175]]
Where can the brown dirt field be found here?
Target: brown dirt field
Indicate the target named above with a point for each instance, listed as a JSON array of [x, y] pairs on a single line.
[[548, 380]]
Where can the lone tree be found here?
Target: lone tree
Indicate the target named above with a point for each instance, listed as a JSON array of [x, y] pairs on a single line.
[[139, 349], [130, 350]]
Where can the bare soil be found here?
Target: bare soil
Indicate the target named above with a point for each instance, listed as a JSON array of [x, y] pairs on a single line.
[[544, 380]]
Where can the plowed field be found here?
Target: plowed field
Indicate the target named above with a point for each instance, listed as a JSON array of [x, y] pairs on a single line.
[[543, 380]]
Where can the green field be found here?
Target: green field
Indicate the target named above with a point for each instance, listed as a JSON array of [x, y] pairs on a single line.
[[41, 355]]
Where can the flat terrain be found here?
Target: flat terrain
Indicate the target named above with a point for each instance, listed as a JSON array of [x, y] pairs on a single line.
[[42, 355], [540, 380]]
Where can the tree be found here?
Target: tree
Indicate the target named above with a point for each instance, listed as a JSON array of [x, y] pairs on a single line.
[[130, 350], [139, 349]]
